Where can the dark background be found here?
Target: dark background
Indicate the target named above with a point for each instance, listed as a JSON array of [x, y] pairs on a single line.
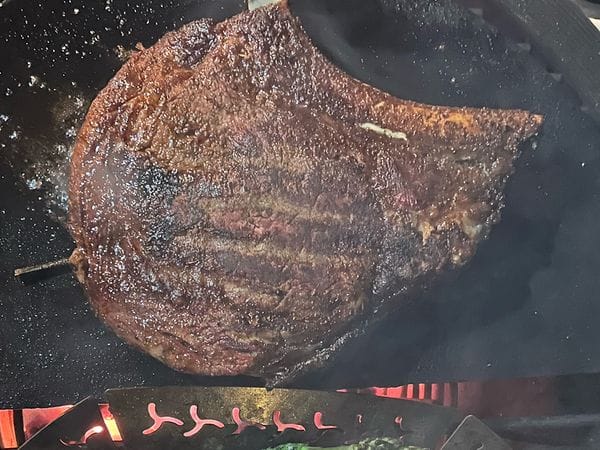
[[526, 305]]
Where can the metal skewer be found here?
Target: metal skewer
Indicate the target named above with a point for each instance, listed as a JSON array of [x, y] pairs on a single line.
[[44, 266]]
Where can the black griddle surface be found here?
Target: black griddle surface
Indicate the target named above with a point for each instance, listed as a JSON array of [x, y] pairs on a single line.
[[526, 305]]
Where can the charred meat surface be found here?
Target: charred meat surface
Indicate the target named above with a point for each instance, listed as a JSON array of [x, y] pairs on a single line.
[[242, 206]]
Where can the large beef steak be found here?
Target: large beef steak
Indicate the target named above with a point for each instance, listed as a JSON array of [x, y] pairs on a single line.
[[242, 206]]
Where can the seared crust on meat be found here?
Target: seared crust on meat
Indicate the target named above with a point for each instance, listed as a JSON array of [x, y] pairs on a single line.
[[240, 205]]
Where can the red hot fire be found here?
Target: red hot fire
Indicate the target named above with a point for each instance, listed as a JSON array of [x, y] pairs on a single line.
[[277, 421]]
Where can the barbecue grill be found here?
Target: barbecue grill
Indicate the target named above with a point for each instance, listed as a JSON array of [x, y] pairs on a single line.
[[525, 306]]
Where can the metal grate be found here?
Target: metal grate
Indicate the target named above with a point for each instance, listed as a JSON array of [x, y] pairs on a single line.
[[443, 394]]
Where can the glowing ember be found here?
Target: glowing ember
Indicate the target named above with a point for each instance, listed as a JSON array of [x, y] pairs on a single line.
[[445, 394], [110, 423], [92, 431], [281, 426], [200, 422], [97, 429], [159, 420], [242, 424], [398, 421], [8, 436], [318, 420]]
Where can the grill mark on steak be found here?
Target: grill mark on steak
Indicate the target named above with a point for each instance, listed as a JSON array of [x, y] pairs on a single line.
[[271, 204], [272, 265], [232, 216], [294, 233], [267, 252]]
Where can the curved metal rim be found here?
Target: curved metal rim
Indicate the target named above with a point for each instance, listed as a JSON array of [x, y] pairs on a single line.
[[563, 35]]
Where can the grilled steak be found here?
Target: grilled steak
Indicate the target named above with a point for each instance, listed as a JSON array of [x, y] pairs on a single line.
[[242, 206]]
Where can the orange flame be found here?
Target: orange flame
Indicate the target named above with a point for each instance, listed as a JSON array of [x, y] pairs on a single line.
[[111, 424]]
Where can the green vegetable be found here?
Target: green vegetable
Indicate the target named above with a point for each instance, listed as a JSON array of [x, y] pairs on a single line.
[[367, 444]]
